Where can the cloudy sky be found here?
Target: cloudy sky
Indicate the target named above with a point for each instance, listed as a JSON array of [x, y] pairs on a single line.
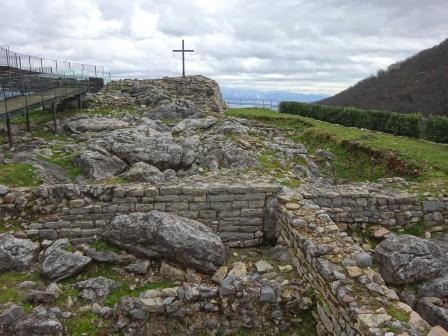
[[320, 46]]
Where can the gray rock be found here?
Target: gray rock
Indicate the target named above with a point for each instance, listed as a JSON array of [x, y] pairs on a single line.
[[157, 149], [168, 236], [16, 254], [97, 163], [96, 124], [433, 312], [150, 96], [178, 109], [138, 267], [3, 190], [144, 172], [231, 126], [406, 259], [39, 296], [107, 257], [364, 259], [267, 295], [96, 289], [10, 313], [191, 125], [436, 287], [35, 324], [59, 264]]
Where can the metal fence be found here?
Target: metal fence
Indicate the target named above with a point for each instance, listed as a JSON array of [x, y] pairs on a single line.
[[252, 103], [24, 62]]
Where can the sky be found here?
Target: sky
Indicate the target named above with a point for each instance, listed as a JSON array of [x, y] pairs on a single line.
[[306, 46]]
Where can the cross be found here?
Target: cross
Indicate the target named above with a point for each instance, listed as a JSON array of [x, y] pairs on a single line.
[[183, 51]]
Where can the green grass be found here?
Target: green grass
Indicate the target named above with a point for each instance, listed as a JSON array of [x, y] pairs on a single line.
[[125, 290], [356, 150], [8, 225], [397, 313], [9, 288], [65, 161], [417, 229], [86, 324], [18, 175], [102, 246]]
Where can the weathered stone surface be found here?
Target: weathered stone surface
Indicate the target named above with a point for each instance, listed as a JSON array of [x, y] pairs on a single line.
[[436, 287], [138, 267], [238, 269], [16, 254], [178, 109], [220, 274], [10, 313], [3, 190], [167, 236], [96, 289], [96, 124], [38, 323], [144, 172], [97, 163], [190, 125], [405, 259], [59, 264], [171, 272], [263, 266], [433, 311]]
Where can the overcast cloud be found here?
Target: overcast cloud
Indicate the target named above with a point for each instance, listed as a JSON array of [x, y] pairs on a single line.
[[297, 45]]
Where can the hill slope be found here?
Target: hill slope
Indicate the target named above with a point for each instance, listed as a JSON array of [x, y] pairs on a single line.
[[418, 84]]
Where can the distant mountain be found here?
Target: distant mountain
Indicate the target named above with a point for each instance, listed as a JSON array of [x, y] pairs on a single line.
[[418, 84], [246, 93]]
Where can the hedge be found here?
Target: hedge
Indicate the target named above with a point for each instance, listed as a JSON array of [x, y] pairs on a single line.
[[412, 125]]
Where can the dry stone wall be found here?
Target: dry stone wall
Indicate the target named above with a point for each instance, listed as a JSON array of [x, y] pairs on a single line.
[[352, 298], [240, 213], [355, 206]]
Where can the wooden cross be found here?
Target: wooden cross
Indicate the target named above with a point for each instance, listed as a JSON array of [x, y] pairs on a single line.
[[183, 51]]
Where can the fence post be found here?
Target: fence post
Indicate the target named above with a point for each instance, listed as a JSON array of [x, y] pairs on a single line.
[[8, 121], [25, 93], [55, 124]]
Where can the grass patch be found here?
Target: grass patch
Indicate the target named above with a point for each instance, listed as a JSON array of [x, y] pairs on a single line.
[[18, 175], [398, 313], [65, 161], [125, 290], [354, 147], [9, 225], [417, 229], [102, 246], [9, 288], [86, 323]]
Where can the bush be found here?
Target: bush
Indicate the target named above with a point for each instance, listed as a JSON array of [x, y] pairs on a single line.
[[412, 125]]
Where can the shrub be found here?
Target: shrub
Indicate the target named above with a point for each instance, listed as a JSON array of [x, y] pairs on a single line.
[[412, 125]]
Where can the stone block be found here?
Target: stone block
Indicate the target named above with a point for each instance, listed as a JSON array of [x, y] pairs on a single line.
[[221, 205], [194, 190], [77, 203], [207, 214], [170, 190], [252, 212], [151, 191]]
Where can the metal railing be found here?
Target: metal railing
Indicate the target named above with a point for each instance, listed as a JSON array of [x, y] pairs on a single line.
[[252, 103], [15, 60]]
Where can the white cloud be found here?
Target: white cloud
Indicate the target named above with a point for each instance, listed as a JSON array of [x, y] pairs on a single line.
[[298, 45]]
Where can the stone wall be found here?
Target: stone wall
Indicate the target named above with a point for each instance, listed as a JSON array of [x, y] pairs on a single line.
[[352, 298], [240, 213], [351, 206]]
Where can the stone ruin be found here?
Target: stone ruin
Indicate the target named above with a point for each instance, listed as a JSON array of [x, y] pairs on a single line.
[[237, 250]]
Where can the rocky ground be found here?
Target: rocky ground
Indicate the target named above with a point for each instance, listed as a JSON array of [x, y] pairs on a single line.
[[131, 281]]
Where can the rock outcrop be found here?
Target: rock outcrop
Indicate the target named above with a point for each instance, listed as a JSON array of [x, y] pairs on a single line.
[[16, 254], [158, 234], [58, 263], [406, 259]]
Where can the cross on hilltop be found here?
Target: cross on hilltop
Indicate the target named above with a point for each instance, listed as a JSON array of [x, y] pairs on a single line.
[[183, 51]]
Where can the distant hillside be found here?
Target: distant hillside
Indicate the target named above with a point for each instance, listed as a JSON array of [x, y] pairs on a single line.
[[418, 84], [241, 93]]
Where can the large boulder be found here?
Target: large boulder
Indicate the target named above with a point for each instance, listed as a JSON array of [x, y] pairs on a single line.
[[146, 145], [433, 311], [58, 263], [98, 163], [178, 109], [406, 259], [96, 289], [16, 254], [144, 172], [168, 236], [95, 124]]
